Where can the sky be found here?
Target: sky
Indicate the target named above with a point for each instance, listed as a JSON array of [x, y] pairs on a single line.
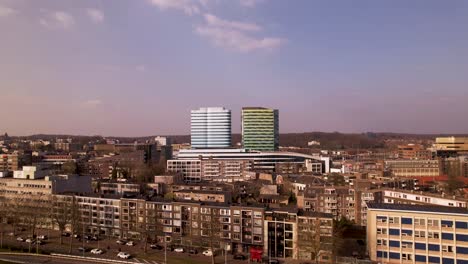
[[137, 67]]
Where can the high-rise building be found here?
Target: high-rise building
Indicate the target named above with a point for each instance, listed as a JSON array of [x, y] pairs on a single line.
[[211, 128], [260, 129]]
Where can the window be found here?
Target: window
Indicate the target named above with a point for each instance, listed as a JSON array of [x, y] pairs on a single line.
[[462, 225], [419, 233], [447, 236], [447, 223], [406, 221], [420, 246], [381, 242], [381, 231], [405, 256], [462, 237], [406, 244], [420, 258], [394, 255], [432, 234], [381, 219], [433, 247], [434, 259], [406, 232], [394, 220], [394, 232], [433, 222], [394, 243], [419, 221], [446, 248]]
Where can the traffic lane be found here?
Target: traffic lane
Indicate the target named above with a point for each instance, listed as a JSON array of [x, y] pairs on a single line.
[[43, 259]]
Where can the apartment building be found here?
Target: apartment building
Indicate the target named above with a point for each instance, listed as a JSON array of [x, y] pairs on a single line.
[[399, 233], [100, 215], [197, 170], [413, 151], [412, 197], [289, 233], [338, 201], [203, 196], [413, 168], [9, 162]]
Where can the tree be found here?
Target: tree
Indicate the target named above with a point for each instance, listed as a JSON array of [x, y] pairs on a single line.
[[69, 167], [61, 213]]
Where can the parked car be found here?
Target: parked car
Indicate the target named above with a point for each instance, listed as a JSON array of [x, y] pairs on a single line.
[[123, 255], [76, 236], [193, 251], [43, 237], [66, 234], [11, 234], [179, 250], [155, 246], [208, 253], [97, 251], [240, 257], [83, 249], [273, 261], [121, 242], [30, 240], [39, 242], [130, 243], [20, 239]]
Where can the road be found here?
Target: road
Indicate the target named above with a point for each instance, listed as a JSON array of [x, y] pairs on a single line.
[[43, 259]]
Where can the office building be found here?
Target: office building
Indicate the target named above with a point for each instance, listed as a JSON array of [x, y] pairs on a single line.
[[451, 146], [259, 160], [399, 233], [260, 129], [411, 197], [211, 128], [413, 168]]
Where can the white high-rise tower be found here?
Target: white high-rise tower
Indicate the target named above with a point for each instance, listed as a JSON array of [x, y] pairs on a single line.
[[211, 128]]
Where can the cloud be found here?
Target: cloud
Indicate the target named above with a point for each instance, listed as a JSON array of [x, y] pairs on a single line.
[[6, 11], [234, 35], [250, 3], [189, 7], [237, 40], [214, 21], [96, 15], [58, 20], [92, 103]]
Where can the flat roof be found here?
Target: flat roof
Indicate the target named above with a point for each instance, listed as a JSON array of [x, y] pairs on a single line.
[[418, 208]]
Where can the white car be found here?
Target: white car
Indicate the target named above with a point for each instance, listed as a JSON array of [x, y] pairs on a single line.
[[130, 243], [97, 251], [29, 240], [208, 253], [179, 250], [123, 255], [20, 239]]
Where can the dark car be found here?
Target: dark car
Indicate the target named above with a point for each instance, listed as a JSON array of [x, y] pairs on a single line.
[[240, 257], [66, 234], [193, 251], [155, 246], [273, 261], [83, 249]]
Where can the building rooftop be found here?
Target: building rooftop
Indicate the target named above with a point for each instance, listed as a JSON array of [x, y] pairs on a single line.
[[418, 208]]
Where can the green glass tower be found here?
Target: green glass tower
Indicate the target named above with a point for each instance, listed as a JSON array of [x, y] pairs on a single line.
[[260, 129]]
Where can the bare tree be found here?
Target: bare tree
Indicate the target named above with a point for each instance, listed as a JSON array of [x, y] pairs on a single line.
[[61, 213]]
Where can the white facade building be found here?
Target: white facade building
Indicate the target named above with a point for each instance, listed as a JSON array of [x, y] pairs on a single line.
[[211, 128]]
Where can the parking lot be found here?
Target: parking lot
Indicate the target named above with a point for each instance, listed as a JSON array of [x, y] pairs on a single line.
[[109, 246]]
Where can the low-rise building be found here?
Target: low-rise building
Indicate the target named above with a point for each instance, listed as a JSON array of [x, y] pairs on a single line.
[[421, 198], [413, 168]]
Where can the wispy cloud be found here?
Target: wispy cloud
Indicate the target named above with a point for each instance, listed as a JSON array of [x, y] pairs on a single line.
[[238, 40], [96, 15], [234, 35], [189, 7], [7, 11], [250, 3], [214, 21], [92, 103], [58, 20]]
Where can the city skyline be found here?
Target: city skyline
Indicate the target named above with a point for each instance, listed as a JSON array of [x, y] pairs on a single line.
[[137, 68]]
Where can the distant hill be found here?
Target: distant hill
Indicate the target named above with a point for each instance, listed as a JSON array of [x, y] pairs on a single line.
[[334, 140]]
